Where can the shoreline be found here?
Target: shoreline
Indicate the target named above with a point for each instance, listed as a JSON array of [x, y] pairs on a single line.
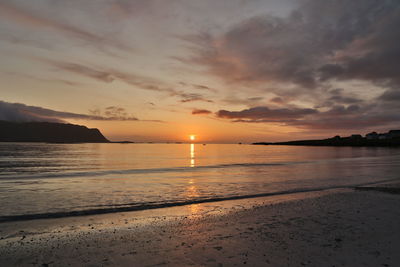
[[332, 227], [156, 206], [126, 209]]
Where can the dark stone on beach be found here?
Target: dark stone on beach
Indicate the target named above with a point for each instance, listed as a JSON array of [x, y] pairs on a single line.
[[390, 190]]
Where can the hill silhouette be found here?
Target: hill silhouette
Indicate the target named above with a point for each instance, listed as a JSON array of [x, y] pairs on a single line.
[[48, 132]]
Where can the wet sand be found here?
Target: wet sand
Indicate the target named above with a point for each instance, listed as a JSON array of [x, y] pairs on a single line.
[[327, 228]]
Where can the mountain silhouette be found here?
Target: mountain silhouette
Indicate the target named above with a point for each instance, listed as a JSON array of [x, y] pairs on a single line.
[[48, 132]]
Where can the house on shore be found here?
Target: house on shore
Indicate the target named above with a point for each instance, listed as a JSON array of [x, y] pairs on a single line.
[[372, 136], [393, 134], [356, 136], [383, 136]]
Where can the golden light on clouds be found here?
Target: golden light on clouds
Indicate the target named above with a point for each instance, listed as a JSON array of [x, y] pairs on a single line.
[[240, 98]]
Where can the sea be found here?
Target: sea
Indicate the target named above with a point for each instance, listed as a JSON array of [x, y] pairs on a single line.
[[40, 180]]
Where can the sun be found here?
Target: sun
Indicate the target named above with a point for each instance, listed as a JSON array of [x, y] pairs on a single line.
[[192, 137]]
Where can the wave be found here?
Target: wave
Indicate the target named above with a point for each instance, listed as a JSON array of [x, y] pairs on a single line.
[[144, 171], [154, 205], [10, 175]]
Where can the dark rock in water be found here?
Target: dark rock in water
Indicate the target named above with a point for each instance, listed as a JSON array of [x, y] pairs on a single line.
[[390, 190], [48, 132]]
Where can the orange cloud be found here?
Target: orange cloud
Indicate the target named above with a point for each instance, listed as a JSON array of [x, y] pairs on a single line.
[[201, 112]]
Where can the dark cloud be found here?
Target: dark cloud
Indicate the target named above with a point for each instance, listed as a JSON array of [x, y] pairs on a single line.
[[248, 101], [255, 98], [300, 58], [265, 114], [277, 100], [23, 113], [340, 110], [355, 122], [320, 40], [337, 117], [372, 56], [339, 96], [344, 100], [200, 112], [204, 87], [191, 97], [391, 95]]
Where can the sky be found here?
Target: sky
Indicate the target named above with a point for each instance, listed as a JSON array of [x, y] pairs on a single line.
[[224, 70]]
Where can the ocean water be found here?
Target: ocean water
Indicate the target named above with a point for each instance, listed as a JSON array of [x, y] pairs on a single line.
[[40, 180]]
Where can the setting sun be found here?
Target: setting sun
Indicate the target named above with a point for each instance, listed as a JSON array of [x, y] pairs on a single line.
[[245, 105]]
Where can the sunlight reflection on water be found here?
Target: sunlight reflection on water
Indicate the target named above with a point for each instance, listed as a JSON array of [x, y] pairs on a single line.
[[40, 178], [192, 163]]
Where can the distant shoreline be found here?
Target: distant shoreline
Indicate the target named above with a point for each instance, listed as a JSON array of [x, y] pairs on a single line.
[[390, 139], [328, 143]]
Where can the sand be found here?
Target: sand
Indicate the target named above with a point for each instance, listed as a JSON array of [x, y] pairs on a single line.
[[327, 228]]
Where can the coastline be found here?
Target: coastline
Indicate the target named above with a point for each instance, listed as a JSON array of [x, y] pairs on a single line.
[[332, 227]]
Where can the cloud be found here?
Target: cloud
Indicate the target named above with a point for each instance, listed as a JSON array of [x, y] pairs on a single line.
[[277, 100], [113, 113], [191, 97], [24, 113], [303, 57], [32, 77], [142, 82], [336, 117], [109, 75], [391, 95], [371, 56], [31, 19], [265, 114], [204, 87], [200, 112], [248, 101], [320, 40], [356, 121], [338, 96], [128, 8], [83, 70]]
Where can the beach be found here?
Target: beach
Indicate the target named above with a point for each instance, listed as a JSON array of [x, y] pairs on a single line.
[[342, 227], [200, 133]]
